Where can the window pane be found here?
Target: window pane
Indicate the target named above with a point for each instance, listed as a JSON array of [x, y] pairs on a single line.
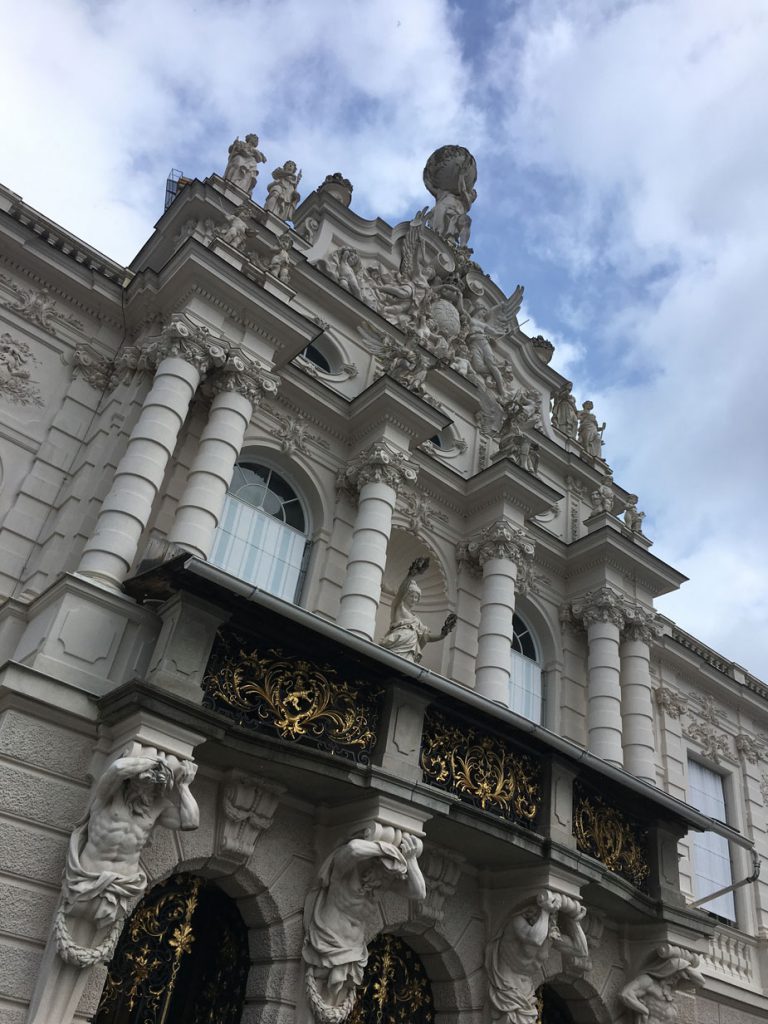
[[711, 854], [258, 549], [525, 687]]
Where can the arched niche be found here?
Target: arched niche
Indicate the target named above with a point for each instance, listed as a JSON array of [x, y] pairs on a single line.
[[568, 1000]]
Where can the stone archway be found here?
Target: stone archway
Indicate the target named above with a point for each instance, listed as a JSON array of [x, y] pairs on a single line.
[[182, 959]]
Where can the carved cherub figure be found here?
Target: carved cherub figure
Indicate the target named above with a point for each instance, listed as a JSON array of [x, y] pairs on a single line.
[[407, 634], [337, 909], [281, 264]]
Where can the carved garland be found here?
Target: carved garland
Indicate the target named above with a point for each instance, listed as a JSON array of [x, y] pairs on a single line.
[[480, 768], [295, 698], [605, 834]]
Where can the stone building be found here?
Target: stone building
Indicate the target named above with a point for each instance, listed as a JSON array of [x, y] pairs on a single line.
[[332, 687]]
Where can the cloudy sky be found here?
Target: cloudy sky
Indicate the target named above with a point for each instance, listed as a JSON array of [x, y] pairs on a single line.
[[622, 149]]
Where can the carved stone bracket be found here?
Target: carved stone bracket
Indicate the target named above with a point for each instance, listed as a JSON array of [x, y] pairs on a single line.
[[101, 373], [501, 539], [247, 808], [442, 870], [246, 376], [380, 463]]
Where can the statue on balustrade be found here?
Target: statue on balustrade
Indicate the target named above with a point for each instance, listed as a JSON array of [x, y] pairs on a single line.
[[243, 164], [407, 634], [338, 909], [603, 498], [103, 877], [517, 954], [590, 435], [564, 415], [282, 197]]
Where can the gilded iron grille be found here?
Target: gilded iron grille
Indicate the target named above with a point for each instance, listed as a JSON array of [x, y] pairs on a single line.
[[395, 989], [607, 834]]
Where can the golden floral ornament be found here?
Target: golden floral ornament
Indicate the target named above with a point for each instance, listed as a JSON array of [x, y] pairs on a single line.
[[481, 768], [604, 833], [395, 988], [296, 698]]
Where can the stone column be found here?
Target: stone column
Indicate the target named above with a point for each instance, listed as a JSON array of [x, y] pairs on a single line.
[[503, 553], [637, 694], [182, 355], [601, 612], [237, 387], [375, 476]]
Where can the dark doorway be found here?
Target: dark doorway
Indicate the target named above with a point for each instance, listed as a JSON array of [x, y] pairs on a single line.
[[395, 989], [553, 1009], [182, 959]]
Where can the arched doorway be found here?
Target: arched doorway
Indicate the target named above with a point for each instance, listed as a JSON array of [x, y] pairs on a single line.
[[395, 989], [553, 1009], [182, 959]]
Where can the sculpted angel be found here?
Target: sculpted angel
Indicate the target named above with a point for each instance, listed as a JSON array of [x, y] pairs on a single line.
[[407, 634], [338, 908]]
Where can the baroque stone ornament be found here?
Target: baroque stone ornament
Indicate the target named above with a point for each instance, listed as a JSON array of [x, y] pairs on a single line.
[[37, 306], [282, 197], [602, 497], [604, 833], [280, 263], [749, 748], [16, 383], [564, 414], [640, 623], [521, 414], [294, 698], [245, 375], [407, 635], [338, 186], [142, 788], [633, 520], [239, 227], [674, 704], [651, 995], [518, 953], [450, 175], [97, 371], [380, 463], [338, 907], [418, 513], [481, 768], [601, 605], [181, 338], [243, 165], [248, 807], [502, 539], [712, 741], [294, 434]]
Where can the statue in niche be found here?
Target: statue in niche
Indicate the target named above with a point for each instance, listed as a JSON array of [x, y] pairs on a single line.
[[280, 264], [565, 416], [282, 197], [603, 498], [407, 634], [651, 995], [633, 519], [590, 435], [102, 878], [338, 909], [243, 164], [450, 175], [522, 947]]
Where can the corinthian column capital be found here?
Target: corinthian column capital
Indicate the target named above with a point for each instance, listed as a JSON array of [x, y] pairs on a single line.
[[380, 463], [502, 539], [179, 339], [246, 376], [601, 605], [640, 624]]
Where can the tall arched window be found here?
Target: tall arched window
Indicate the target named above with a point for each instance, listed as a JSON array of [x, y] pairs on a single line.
[[525, 693], [262, 534]]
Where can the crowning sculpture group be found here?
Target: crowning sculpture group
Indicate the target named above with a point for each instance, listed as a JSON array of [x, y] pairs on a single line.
[[439, 303]]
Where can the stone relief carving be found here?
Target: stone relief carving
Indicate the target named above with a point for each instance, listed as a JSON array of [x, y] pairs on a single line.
[[101, 373], [442, 870], [249, 377], [522, 413], [142, 788], [524, 944], [239, 227], [338, 907], [675, 704], [417, 511], [602, 498], [204, 227], [248, 806], [713, 742], [565, 417], [308, 230], [576, 495], [590, 435], [243, 165], [764, 787], [16, 383], [295, 435], [407, 634], [651, 995], [282, 197], [749, 748], [450, 175], [37, 306]]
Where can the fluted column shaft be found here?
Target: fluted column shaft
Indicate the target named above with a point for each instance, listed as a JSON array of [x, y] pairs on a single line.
[[637, 698], [375, 475], [237, 387], [502, 550], [182, 356]]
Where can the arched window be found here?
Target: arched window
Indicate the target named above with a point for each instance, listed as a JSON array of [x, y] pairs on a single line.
[[262, 534], [525, 694]]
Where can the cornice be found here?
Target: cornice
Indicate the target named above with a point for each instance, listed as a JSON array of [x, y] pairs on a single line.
[[609, 547]]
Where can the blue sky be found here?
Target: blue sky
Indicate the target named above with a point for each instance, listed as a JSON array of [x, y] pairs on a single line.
[[622, 149]]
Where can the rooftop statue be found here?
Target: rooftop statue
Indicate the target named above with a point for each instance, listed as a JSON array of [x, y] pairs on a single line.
[[564, 415], [633, 519], [243, 164], [407, 634], [603, 498], [282, 197], [450, 175], [590, 435]]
